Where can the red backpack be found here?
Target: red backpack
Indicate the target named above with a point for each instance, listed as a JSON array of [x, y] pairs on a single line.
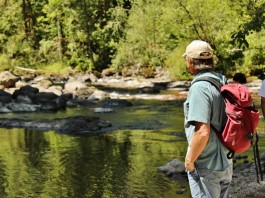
[[242, 117]]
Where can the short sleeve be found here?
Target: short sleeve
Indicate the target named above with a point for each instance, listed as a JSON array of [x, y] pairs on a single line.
[[262, 89], [199, 103]]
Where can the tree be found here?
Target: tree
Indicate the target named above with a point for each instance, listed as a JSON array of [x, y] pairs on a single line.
[[155, 28], [149, 35], [93, 35]]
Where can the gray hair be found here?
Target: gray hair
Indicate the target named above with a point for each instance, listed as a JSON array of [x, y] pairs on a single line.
[[202, 64]]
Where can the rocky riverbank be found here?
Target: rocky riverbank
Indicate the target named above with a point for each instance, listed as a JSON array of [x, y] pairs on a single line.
[[35, 92], [244, 183]]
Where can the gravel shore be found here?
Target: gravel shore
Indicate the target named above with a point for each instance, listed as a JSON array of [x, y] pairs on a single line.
[[245, 184]]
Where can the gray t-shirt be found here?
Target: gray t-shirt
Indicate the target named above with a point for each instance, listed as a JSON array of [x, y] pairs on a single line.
[[262, 89], [205, 104]]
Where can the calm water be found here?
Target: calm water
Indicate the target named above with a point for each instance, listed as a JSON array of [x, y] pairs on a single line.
[[120, 163]]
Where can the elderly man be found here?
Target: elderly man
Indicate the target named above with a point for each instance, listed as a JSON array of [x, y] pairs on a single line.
[[262, 97], [208, 168]]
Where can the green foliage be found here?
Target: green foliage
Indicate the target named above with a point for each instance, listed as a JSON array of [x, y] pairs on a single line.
[[56, 68], [83, 34], [4, 62], [94, 35], [177, 65], [255, 23], [255, 56], [258, 58], [149, 36], [150, 42]]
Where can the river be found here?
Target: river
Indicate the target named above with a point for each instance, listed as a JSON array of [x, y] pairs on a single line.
[[120, 163]]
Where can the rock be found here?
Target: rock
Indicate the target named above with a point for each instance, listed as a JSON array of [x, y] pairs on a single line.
[[21, 107], [173, 167], [45, 83], [55, 89], [103, 110], [108, 72], [50, 105], [84, 92], [179, 85], [86, 103], [66, 96], [24, 99], [130, 71], [93, 77], [148, 90], [20, 84], [43, 97], [98, 94], [26, 91], [5, 97], [29, 99], [75, 125], [82, 78], [30, 89], [244, 182], [7, 79], [161, 85], [116, 103], [73, 86]]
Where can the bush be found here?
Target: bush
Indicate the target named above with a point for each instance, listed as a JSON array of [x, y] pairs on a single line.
[[177, 65], [56, 68], [5, 63]]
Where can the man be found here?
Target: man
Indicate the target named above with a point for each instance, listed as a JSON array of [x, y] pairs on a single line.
[[240, 78], [262, 97], [208, 168]]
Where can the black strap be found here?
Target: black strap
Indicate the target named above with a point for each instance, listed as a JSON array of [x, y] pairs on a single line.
[[230, 154], [258, 157], [212, 80], [258, 167], [255, 160]]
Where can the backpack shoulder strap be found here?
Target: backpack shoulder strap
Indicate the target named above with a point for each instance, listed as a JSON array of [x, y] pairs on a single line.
[[212, 80], [217, 85]]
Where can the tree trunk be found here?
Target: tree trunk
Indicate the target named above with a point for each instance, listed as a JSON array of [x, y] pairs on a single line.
[[59, 37], [88, 32], [29, 20]]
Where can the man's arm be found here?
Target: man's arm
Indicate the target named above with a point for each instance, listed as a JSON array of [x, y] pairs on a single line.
[[198, 143]]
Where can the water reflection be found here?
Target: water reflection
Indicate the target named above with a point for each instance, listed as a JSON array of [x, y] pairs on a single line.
[[119, 164]]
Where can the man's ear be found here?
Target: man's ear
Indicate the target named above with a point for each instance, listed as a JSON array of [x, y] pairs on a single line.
[[190, 61]]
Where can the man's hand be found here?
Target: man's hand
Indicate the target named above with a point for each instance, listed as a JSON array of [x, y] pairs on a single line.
[[189, 166]]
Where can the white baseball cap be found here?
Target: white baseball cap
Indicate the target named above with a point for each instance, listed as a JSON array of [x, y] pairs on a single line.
[[199, 50]]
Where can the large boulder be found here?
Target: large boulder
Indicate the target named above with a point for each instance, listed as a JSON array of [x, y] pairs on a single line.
[[19, 107], [26, 91], [5, 97], [173, 167], [43, 97], [29, 99], [7, 79], [73, 86]]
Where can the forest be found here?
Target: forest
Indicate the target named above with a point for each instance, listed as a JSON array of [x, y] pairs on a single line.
[[92, 35]]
